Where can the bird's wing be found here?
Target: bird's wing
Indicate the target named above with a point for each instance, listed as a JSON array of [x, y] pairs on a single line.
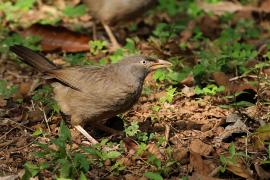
[[76, 77]]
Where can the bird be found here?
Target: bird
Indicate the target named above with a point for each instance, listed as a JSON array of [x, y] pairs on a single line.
[[93, 94], [114, 11]]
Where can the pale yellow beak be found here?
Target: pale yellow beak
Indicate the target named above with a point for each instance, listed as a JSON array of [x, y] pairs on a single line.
[[160, 64]]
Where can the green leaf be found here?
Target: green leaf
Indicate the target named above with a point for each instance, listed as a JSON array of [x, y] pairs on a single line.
[[24, 4], [37, 132], [154, 160], [131, 46], [96, 46], [133, 129], [232, 149], [223, 159], [31, 168], [65, 168], [243, 104], [159, 74], [6, 91], [82, 176], [76, 11], [264, 129], [153, 176], [64, 133], [63, 178], [117, 55], [112, 154], [81, 162]]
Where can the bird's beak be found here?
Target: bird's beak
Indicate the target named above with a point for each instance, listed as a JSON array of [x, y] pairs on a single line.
[[160, 64]]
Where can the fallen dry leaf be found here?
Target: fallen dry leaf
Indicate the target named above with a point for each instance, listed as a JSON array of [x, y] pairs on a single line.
[[264, 5], [131, 145], [3, 102], [153, 149], [188, 91], [197, 176], [263, 174], [221, 79], [58, 38], [198, 164], [240, 169], [262, 134], [200, 147], [179, 153], [222, 7], [187, 33], [25, 88]]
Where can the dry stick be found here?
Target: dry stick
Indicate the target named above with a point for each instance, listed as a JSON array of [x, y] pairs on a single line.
[[215, 171], [46, 119], [7, 133], [19, 124], [166, 134]]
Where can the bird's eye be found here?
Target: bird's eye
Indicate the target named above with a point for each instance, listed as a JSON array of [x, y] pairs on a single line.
[[143, 62]]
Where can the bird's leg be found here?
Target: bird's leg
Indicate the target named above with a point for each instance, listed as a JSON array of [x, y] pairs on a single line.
[[115, 45], [88, 136], [94, 31]]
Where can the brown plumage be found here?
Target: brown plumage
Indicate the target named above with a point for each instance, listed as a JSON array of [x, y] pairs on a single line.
[[114, 11], [92, 94], [111, 12]]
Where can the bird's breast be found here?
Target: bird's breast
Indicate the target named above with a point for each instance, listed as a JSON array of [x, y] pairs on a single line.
[[128, 96]]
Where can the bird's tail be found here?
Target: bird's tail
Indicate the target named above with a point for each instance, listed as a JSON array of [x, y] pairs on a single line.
[[33, 59]]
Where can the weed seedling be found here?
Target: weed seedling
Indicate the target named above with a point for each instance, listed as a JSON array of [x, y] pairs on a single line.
[[231, 159], [61, 159], [6, 91]]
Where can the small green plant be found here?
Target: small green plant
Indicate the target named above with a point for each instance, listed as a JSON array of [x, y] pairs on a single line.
[[44, 96], [133, 129], [194, 10], [75, 11], [97, 46], [172, 7], [63, 160], [13, 11], [9, 40], [131, 46], [6, 91], [210, 89], [77, 59], [162, 168], [170, 93], [117, 55], [102, 155], [231, 159], [164, 31], [153, 176], [267, 161], [175, 75]]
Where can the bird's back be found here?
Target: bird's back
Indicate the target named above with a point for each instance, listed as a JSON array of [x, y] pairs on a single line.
[[112, 11]]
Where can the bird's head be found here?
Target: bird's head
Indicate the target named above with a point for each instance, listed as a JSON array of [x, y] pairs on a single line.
[[142, 65]]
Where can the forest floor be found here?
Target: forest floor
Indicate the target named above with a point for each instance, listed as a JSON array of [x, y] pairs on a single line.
[[205, 118]]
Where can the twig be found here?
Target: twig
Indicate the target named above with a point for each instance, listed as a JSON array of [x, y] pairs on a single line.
[[215, 171], [166, 134], [46, 119], [7, 133]]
